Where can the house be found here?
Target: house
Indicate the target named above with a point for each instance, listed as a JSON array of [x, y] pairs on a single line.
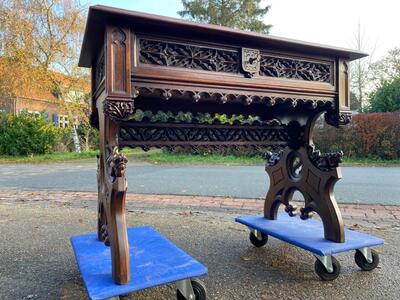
[[41, 100]]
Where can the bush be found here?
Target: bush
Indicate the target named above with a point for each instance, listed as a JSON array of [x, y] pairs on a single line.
[[26, 134], [369, 135]]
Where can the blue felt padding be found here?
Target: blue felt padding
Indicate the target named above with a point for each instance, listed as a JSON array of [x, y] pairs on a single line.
[[154, 260], [308, 234]]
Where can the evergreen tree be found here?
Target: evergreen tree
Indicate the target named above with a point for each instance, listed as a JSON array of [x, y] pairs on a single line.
[[387, 97], [240, 14]]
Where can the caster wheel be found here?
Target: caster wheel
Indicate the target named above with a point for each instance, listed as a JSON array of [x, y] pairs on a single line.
[[363, 263], [323, 273], [256, 242], [199, 289]]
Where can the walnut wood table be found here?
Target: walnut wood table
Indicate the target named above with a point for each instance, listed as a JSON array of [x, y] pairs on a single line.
[[152, 63]]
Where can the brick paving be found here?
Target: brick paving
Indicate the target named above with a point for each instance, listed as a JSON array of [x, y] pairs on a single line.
[[360, 211]]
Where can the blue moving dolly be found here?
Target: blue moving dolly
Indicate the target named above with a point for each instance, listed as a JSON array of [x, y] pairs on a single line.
[[154, 261], [309, 235]]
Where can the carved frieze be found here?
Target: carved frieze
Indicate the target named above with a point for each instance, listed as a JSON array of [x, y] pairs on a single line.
[[245, 98], [247, 61], [137, 134], [188, 56]]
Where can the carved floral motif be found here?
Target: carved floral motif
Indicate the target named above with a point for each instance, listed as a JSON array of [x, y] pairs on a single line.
[[118, 109]]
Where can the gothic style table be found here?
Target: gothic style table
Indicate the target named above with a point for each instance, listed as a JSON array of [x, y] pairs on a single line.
[[152, 63]]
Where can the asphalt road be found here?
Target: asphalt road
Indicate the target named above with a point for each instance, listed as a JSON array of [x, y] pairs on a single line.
[[373, 185]]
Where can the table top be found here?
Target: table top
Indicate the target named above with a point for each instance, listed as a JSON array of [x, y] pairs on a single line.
[[100, 15]]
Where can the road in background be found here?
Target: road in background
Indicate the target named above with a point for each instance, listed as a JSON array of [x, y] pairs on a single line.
[[372, 185]]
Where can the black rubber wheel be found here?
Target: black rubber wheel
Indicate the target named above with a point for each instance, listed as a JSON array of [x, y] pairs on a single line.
[[256, 242], [199, 290], [323, 273], [363, 263]]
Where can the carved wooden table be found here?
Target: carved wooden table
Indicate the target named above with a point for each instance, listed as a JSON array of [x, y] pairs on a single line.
[[147, 62]]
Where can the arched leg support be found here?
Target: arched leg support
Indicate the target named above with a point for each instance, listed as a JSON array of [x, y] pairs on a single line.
[[314, 177]]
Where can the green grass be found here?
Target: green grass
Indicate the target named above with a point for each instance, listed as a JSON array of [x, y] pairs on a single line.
[[52, 157], [170, 158], [370, 161], [159, 157]]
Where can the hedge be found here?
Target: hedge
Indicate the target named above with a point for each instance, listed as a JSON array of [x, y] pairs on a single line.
[[369, 135]]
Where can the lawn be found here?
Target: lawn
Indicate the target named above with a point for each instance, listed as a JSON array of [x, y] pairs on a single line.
[[156, 156]]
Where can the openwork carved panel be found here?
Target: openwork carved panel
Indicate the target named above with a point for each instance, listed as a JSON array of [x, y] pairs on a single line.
[[145, 135], [188, 56], [244, 60], [295, 69]]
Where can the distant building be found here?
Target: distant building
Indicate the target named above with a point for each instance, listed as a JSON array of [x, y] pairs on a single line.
[[38, 101]]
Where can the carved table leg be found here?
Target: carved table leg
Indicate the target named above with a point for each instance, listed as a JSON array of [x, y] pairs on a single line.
[[116, 225], [313, 174], [112, 187]]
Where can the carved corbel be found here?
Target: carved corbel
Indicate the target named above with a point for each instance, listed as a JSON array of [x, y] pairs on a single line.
[[118, 109], [337, 119]]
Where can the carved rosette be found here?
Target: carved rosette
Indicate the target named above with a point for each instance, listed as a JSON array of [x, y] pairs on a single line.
[[118, 109]]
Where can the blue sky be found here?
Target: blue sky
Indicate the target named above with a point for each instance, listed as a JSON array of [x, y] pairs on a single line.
[[330, 22]]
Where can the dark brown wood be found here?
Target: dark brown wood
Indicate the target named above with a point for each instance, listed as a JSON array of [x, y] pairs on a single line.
[[153, 63]]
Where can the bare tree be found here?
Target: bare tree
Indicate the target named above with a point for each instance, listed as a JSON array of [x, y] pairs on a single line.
[[361, 70]]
